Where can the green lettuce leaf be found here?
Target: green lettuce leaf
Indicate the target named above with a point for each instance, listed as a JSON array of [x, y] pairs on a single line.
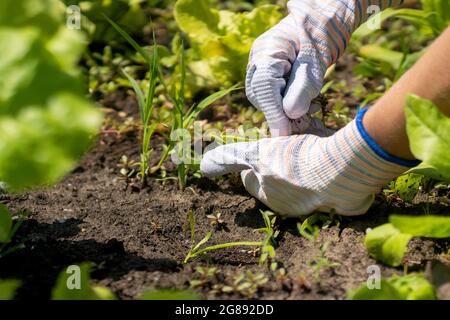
[[8, 289], [407, 186], [46, 123], [429, 133], [422, 226], [387, 244], [220, 39], [62, 291], [410, 287]]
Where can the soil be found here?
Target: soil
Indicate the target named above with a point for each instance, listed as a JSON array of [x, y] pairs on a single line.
[[137, 238]]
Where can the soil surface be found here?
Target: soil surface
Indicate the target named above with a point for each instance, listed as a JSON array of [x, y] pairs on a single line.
[[137, 238]]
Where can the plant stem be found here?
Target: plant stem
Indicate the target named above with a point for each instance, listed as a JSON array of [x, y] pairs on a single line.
[[222, 246]]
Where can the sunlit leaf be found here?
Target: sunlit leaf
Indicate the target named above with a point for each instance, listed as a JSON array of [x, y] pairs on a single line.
[[387, 244], [429, 133], [422, 226]]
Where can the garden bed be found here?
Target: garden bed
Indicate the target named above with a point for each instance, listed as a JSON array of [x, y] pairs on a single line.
[[137, 238]]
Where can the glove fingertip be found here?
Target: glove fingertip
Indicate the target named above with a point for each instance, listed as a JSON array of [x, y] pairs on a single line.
[[296, 106]]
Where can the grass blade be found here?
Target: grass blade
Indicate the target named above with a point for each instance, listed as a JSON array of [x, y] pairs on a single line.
[[203, 241], [152, 86], [228, 245], [130, 40], [139, 94], [195, 110]]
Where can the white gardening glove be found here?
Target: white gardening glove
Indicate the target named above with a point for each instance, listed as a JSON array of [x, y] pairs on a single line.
[[287, 64], [299, 174]]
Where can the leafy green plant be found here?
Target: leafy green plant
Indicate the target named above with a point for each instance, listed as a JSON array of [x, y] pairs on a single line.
[[270, 240], [410, 287], [8, 289], [206, 275], [429, 134], [86, 291], [310, 227], [422, 226], [220, 40], [408, 185], [182, 120], [246, 284], [46, 123], [388, 242], [321, 262], [145, 102], [196, 250], [182, 117], [8, 228]]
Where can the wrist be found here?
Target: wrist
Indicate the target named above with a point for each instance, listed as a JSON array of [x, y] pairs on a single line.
[[380, 147]]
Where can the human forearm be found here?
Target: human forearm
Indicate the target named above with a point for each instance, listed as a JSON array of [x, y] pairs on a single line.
[[429, 78]]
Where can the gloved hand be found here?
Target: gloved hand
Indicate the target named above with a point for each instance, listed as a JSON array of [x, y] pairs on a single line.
[[287, 64], [297, 175]]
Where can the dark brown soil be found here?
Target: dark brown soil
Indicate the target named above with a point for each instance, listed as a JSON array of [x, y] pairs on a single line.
[[137, 238]]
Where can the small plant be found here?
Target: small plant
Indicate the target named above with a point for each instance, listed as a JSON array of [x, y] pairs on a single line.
[[216, 220], [182, 117], [206, 275], [321, 263], [246, 284], [127, 168], [8, 228], [269, 243], [311, 226], [196, 250], [145, 102]]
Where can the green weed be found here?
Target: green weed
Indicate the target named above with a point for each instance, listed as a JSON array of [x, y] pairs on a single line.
[[196, 250]]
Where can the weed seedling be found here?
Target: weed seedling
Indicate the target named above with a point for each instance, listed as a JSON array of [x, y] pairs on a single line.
[[127, 168], [269, 243], [311, 226], [206, 275], [246, 284], [8, 228], [216, 220], [182, 120], [322, 262], [145, 102], [197, 250]]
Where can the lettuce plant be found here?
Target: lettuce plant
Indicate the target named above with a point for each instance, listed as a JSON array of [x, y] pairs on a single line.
[[46, 123], [221, 39], [429, 134], [388, 243], [413, 286]]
